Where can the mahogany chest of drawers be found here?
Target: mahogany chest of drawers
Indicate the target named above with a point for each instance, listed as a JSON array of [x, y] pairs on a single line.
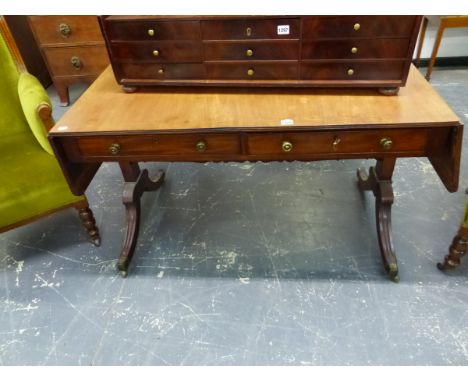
[[283, 51], [73, 49]]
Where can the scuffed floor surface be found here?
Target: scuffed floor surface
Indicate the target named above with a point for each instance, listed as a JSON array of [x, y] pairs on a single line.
[[244, 264]]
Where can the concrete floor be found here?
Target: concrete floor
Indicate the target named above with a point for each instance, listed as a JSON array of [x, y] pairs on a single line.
[[244, 264]]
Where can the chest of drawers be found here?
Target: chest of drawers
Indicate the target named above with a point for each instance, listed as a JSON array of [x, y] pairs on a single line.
[[72, 47], [284, 51]]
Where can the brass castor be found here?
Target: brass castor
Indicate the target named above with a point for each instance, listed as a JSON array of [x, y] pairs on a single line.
[[392, 270]]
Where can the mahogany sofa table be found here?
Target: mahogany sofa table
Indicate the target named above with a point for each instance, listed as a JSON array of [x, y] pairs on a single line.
[[217, 124]]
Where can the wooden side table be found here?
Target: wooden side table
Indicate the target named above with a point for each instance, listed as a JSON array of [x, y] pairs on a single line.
[[217, 125], [445, 22]]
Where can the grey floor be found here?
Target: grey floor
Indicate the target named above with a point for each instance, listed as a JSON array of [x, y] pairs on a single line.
[[244, 264]]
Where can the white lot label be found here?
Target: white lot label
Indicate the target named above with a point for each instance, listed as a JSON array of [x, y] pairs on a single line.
[[283, 29], [287, 121]]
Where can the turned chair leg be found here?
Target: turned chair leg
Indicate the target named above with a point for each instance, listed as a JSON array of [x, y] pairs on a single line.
[[457, 250], [88, 221]]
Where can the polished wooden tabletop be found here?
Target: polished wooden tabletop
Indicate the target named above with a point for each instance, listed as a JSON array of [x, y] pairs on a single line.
[[104, 107]]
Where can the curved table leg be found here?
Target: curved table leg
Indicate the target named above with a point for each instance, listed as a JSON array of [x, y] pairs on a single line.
[[137, 182], [378, 180], [456, 251]]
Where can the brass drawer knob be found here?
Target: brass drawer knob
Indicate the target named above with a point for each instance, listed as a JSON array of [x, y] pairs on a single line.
[[250, 72], [201, 146], [151, 32], [287, 146], [248, 31], [336, 142], [386, 143], [357, 26], [76, 63], [114, 148], [65, 30], [249, 53], [155, 53], [350, 72], [161, 71], [353, 50]]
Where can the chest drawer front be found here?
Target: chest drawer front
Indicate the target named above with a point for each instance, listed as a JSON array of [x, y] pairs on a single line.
[[66, 29], [315, 27], [77, 61], [352, 70], [147, 30], [251, 71], [250, 29], [355, 48], [161, 51], [162, 145], [169, 71], [350, 142], [252, 50]]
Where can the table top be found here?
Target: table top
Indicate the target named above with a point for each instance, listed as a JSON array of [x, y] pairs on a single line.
[[104, 107]]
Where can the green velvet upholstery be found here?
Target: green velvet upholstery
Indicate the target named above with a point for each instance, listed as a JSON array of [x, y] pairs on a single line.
[[465, 216], [32, 182]]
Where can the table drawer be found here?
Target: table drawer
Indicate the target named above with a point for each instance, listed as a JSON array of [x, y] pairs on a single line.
[[78, 61], [315, 27], [151, 30], [355, 48], [348, 142], [251, 71], [66, 29], [352, 70], [160, 145], [252, 50], [182, 51], [246, 28], [169, 71]]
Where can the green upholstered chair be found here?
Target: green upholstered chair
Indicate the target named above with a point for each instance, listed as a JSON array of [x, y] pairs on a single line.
[[459, 244], [32, 183]]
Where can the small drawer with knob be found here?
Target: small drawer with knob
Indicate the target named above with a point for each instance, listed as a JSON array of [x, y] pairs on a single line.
[[355, 49], [160, 51], [265, 50], [255, 70], [65, 61], [250, 29], [162, 71], [125, 28], [160, 146], [296, 144], [349, 70]]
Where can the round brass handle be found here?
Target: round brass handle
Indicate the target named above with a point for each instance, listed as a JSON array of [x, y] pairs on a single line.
[[248, 31], [76, 63], [287, 146], [114, 148], [151, 32], [386, 143], [353, 50], [155, 53], [65, 30], [161, 71], [350, 72], [201, 146], [250, 72], [357, 27], [249, 53]]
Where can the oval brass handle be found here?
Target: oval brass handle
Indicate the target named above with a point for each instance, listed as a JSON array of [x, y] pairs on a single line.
[[287, 146], [114, 148], [386, 143], [353, 50], [357, 26], [65, 30], [248, 31], [201, 146], [156, 53], [336, 142], [249, 53], [250, 72], [350, 72], [76, 63], [151, 32]]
